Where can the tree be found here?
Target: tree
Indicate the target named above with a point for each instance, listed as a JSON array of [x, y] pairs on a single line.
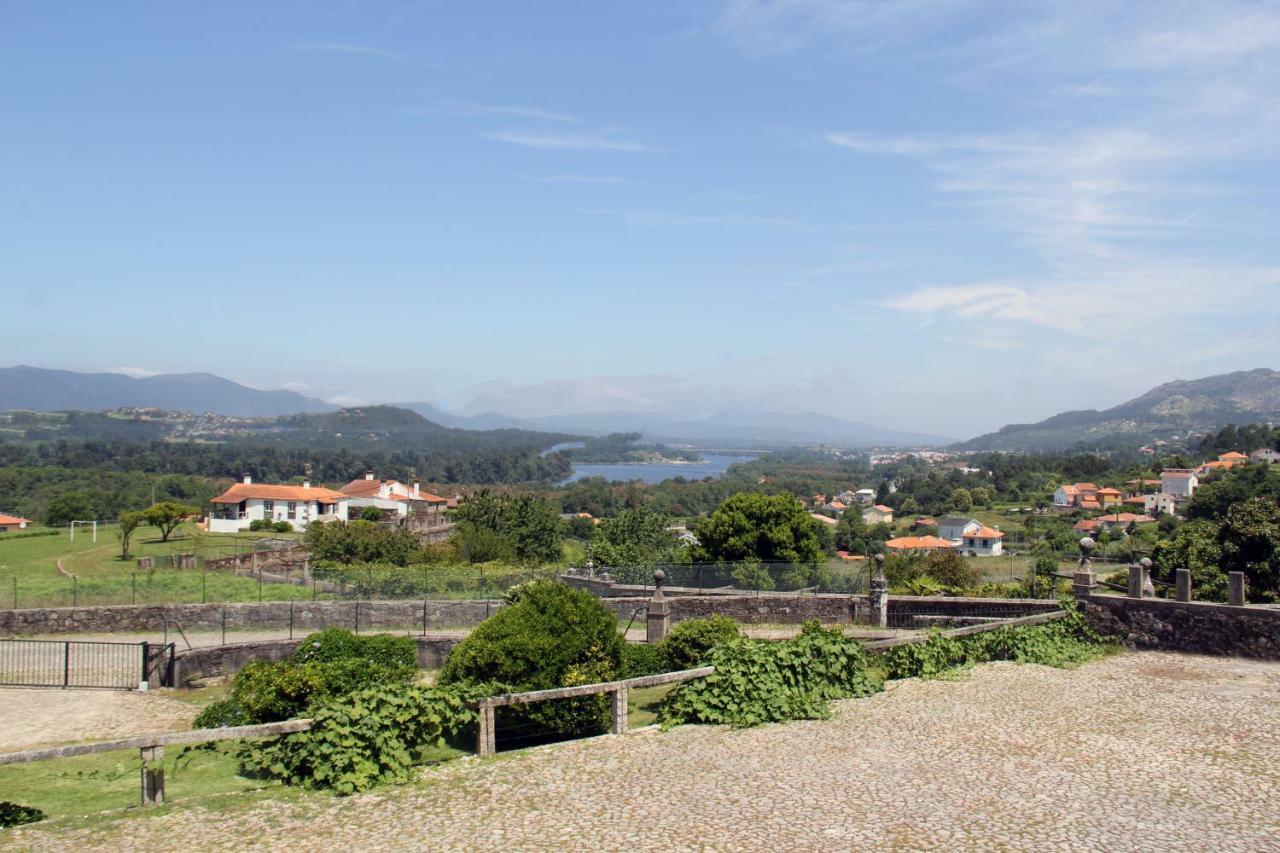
[[909, 506], [635, 539], [1250, 541], [69, 507], [167, 515], [129, 522], [1195, 547], [961, 500], [530, 525], [769, 528], [981, 496]]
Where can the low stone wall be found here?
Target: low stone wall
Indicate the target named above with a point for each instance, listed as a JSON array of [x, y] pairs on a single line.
[[1186, 626], [904, 611], [612, 589], [303, 615], [193, 665], [260, 560]]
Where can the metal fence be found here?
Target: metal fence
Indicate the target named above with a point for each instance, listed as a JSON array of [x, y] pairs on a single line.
[[83, 663]]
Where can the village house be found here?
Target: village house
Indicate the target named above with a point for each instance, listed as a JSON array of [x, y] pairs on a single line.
[[247, 502], [865, 496], [983, 542], [12, 522], [838, 507], [917, 543], [954, 527], [825, 519], [421, 512], [1179, 483], [848, 497], [1073, 496], [878, 514], [1265, 454]]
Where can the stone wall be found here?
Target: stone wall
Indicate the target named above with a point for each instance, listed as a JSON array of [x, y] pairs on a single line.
[[193, 665], [305, 616], [1186, 626]]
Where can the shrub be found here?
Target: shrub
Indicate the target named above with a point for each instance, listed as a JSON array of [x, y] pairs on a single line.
[[278, 691], [12, 814], [759, 681], [552, 636], [282, 527], [641, 659], [221, 714], [262, 524], [691, 641], [374, 735], [334, 644]]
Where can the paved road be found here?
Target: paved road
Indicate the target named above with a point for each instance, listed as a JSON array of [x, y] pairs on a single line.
[[1139, 751]]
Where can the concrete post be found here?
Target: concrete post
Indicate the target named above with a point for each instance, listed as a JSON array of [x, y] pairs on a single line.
[[1135, 581], [1148, 588], [1183, 577], [486, 741], [152, 775], [1083, 583], [878, 595], [618, 719], [1235, 589], [658, 618]]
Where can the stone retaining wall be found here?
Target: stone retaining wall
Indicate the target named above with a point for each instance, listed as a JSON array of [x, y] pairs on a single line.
[[193, 665], [1186, 626], [306, 616]]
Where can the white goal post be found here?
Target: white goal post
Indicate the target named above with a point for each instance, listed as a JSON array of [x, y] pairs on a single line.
[[73, 529]]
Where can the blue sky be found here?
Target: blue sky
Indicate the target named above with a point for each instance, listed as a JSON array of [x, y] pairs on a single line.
[[929, 214]]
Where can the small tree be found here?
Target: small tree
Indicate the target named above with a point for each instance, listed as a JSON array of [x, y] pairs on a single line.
[[129, 522], [961, 500], [167, 515]]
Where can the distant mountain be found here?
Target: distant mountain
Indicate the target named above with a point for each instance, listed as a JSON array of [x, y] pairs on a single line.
[[485, 420], [737, 427], [37, 388], [1175, 408]]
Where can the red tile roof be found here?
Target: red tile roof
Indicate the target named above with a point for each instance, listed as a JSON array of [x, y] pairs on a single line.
[[264, 491], [917, 543], [883, 508], [984, 533], [822, 518], [13, 519]]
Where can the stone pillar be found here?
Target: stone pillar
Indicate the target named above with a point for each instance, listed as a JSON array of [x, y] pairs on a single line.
[[1148, 588], [658, 618], [1135, 581], [1183, 577], [1235, 589], [878, 595], [1083, 583], [152, 775], [618, 709]]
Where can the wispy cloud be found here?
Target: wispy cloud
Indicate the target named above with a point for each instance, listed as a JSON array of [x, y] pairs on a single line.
[[135, 372], [348, 48], [567, 141]]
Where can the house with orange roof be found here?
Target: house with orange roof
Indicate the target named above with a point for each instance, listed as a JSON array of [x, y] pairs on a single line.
[[1072, 496], [878, 514], [1122, 520], [905, 544], [1179, 483], [12, 522], [246, 502], [1233, 456], [388, 494], [825, 519], [983, 542]]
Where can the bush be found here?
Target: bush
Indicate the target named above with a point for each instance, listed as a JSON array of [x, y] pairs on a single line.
[[262, 524], [374, 735], [221, 714], [267, 692], [552, 636], [641, 659], [282, 527], [761, 681], [332, 644], [12, 814], [689, 642]]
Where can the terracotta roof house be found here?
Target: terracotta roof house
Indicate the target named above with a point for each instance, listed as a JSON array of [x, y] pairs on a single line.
[[247, 501], [1232, 456], [12, 522], [918, 543], [823, 518], [1122, 519], [878, 514], [984, 542], [1085, 525]]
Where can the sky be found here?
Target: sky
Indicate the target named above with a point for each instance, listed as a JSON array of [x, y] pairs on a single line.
[[935, 215]]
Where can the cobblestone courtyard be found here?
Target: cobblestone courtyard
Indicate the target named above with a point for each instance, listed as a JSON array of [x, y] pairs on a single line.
[[1136, 752]]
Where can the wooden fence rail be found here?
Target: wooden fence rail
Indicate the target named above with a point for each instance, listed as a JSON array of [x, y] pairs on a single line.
[[486, 736], [1036, 619]]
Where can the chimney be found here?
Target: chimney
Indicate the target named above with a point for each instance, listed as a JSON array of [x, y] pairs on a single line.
[[368, 475], [248, 480], [306, 484], [415, 489]]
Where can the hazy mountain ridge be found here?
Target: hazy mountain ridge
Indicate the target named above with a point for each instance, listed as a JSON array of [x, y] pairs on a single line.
[[1179, 408]]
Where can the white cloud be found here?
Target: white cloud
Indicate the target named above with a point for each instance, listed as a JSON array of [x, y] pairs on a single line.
[[347, 400], [135, 372], [567, 141]]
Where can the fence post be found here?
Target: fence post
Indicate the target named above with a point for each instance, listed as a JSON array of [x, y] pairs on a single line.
[[313, 587], [204, 587], [75, 590], [658, 613], [1135, 582], [878, 595], [424, 617], [224, 625], [66, 664], [486, 742], [290, 620], [15, 592], [1183, 577], [146, 658], [1235, 589], [619, 711], [152, 775], [357, 616], [259, 586], [133, 588]]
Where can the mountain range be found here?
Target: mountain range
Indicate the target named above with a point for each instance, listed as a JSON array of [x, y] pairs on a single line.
[[1175, 409]]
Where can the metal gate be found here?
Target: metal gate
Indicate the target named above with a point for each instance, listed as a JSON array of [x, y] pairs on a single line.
[[85, 663]]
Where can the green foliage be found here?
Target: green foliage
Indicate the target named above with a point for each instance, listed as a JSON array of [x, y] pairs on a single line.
[[753, 526], [641, 659], [370, 513], [362, 542], [524, 527], [552, 636], [426, 580], [12, 814], [961, 499], [129, 522], [260, 524], [69, 507], [939, 572], [334, 644], [1064, 642], [632, 543], [1250, 542], [221, 714], [1216, 496], [690, 642], [374, 735], [1194, 546], [759, 681], [167, 515]]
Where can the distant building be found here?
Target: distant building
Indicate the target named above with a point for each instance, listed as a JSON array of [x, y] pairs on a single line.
[[12, 522], [1265, 454], [983, 542], [1180, 483], [878, 514], [1233, 457], [847, 497], [954, 527], [1159, 504], [247, 501], [388, 495], [917, 543], [1122, 520], [1072, 496], [865, 496], [825, 519]]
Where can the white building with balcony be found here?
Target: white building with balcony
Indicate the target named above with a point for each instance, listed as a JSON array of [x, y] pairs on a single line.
[[246, 502]]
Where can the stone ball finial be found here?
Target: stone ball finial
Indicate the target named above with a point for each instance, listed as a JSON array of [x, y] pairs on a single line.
[[1145, 562], [879, 559], [659, 576], [1087, 545]]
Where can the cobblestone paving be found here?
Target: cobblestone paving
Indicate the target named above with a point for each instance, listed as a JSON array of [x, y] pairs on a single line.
[[1136, 752]]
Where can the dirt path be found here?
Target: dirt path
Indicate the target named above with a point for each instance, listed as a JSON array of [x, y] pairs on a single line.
[[47, 716]]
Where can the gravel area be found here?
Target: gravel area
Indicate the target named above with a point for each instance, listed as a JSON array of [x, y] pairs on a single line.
[[1142, 751], [48, 717]]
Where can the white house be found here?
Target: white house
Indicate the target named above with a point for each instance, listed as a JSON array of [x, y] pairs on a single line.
[[387, 494], [1160, 504], [983, 541], [954, 527], [878, 514], [848, 497], [247, 501], [865, 496], [1180, 483], [12, 522], [1265, 454]]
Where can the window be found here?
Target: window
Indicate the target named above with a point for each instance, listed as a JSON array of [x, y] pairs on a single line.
[[293, 510], [268, 507]]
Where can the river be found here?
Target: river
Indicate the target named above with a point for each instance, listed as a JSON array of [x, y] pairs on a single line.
[[712, 465]]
